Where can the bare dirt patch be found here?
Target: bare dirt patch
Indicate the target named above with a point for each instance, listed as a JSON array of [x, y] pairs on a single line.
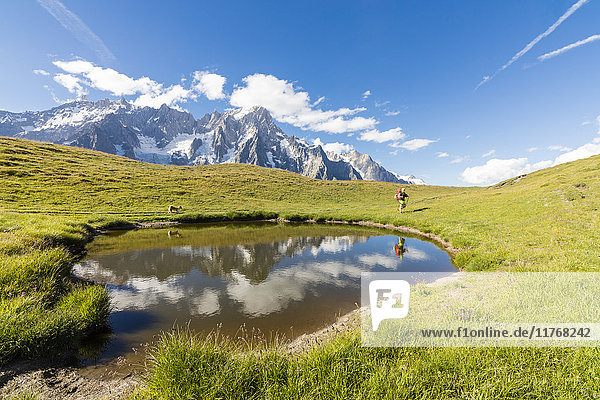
[[53, 380]]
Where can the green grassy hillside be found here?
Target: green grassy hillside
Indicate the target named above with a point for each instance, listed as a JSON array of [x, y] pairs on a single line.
[[547, 220], [51, 197]]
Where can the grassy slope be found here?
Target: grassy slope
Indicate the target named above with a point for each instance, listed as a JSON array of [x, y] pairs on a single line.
[[545, 221], [548, 220]]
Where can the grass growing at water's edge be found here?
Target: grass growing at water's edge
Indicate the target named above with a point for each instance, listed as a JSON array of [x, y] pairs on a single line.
[[545, 221], [42, 309], [189, 367]]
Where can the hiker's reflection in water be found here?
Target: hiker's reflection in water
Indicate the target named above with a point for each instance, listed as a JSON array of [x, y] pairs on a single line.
[[399, 248]]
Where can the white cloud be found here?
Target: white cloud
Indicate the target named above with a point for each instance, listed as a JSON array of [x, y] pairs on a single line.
[[467, 137], [54, 97], [416, 254], [442, 154], [338, 124], [331, 245], [366, 94], [319, 101], [210, 85], [78, 29], [41, 72], [284, 102], [415, 144], [381, 137], [71, 83], [541, 165], [378, 105], [587, 150], [555, 53], [290, 284], [532, 149], [530, 45], [393, 113], [207, 303], [107, 79], [379, 259], [151, 93], [496, 170], [558, 148], [169, 96], [489, 154], [457, 160], [335, 147], [288, 105]]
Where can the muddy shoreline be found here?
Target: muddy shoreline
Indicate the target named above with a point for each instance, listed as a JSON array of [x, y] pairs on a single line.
[[57, 379]]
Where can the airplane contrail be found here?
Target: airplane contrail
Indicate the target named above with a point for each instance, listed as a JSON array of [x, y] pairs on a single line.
[[529, 46], [78, 28], [554, 53]]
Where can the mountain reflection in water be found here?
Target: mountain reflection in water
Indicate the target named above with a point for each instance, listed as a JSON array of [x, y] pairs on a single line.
[[275, 277]]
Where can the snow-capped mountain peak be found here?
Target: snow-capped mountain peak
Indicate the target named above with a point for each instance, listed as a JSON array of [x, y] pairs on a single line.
[[413, 180], [169, 136]]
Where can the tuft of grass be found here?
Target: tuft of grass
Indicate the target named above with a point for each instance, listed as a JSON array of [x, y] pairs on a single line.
[[109, 222], [29, 328], [42, 310], [26, 395]]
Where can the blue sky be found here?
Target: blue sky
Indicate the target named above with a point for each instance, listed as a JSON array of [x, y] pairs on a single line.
[[464, 93]]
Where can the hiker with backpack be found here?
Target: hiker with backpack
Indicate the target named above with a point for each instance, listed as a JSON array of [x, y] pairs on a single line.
[[401, 196]]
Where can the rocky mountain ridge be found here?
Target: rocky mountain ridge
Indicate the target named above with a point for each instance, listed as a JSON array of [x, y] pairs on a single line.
[[169, 136]]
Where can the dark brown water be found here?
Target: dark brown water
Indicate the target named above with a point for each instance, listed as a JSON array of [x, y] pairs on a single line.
[[277, 278]]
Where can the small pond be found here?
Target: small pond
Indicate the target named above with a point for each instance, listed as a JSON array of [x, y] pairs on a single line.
[[287, 279]]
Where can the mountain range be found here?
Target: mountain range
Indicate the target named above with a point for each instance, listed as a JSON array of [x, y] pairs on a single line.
[[170, 136]]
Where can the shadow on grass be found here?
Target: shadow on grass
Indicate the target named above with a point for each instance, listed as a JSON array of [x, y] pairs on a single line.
[[418, 209]]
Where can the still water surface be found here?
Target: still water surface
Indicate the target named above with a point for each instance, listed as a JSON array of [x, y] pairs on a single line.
[[278, 278]]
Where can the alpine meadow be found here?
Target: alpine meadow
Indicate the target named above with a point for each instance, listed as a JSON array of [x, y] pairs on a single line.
[[525, 224], [311, 200]]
